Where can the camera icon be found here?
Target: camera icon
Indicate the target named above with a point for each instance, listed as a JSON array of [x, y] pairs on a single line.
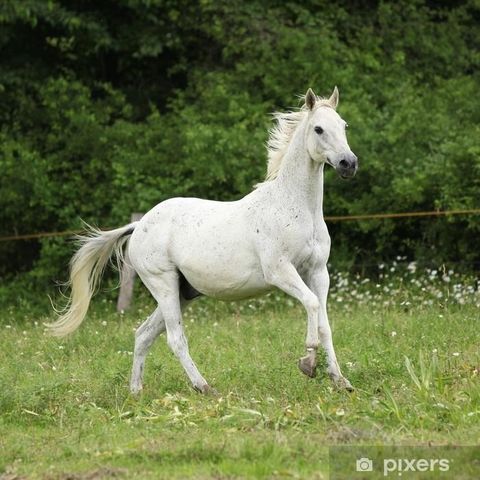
[[364, 465]]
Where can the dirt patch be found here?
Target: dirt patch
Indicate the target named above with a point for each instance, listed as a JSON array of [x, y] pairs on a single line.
[[12, 476], [346, 435], [99, 474]]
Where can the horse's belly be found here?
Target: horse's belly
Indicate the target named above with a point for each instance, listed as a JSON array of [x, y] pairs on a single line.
[[226, 282]]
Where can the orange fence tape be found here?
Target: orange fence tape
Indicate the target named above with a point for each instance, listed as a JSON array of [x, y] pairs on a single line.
[[339, 218], [30, 236], [373, 216]]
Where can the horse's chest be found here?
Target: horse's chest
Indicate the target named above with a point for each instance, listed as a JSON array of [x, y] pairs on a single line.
[[312, 247], [302, 257], [297, 242]]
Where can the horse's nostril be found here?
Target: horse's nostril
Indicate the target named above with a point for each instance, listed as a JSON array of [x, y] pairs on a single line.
[[344, 164]]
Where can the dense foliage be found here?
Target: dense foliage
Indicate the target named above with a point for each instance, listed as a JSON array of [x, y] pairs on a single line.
[[109, 107]]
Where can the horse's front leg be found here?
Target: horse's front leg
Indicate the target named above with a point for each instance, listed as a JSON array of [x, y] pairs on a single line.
[[283, 274], [319, 283]]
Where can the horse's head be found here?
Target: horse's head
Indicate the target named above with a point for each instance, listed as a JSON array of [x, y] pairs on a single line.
[[326, 138]]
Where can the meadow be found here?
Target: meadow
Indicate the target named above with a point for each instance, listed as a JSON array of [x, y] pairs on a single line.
[[408, 341]]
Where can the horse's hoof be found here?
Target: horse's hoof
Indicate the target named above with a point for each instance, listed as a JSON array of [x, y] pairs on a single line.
[[211, 392], [308, 366], [341, 383], [207, 390]]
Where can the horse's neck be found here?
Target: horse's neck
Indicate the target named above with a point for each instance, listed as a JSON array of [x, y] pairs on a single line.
[[300, 178]]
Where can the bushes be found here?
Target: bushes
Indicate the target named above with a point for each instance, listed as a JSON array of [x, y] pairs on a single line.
[[108, 109]]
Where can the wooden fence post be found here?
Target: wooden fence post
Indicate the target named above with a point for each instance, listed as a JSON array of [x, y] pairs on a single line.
[[128, 278]]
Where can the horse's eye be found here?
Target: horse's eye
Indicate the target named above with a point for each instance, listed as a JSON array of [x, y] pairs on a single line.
[[318, 130]]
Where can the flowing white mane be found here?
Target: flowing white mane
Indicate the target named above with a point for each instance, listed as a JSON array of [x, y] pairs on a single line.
[[282, 132]]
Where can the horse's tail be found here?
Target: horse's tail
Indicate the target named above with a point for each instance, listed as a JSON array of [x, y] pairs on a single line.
[[86, 269]]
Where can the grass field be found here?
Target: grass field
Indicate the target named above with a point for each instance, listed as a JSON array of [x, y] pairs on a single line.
[[66, 412]]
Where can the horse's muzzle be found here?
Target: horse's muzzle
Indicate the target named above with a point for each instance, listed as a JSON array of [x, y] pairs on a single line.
[[348, 165]]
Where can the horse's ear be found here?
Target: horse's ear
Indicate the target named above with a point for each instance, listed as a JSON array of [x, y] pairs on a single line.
[[334, 97], [310, 99]]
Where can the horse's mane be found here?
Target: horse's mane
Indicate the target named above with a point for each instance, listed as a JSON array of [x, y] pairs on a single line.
[[282, 132]]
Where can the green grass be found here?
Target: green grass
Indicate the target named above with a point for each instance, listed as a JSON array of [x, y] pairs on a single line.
[[66, 411]]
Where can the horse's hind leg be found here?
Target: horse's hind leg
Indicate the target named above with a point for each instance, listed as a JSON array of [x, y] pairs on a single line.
[[165, 289], [145, 335]]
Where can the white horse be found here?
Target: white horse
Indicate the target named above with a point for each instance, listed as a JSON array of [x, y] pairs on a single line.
[[273, 237]]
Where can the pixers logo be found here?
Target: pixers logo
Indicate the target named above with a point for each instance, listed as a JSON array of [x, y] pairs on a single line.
[[406, 465], [364, 465]]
